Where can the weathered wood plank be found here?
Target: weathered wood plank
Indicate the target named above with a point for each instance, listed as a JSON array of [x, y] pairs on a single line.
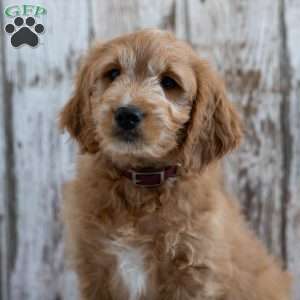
[[291, 23], [127, 16], [3, 267], [7, 182], [241, 39], [3, 215], [41, 80]]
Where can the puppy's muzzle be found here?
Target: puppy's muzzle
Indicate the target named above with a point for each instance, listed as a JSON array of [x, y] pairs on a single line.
[[128, 117]]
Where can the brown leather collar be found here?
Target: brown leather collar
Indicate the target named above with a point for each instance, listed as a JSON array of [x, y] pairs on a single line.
[[150, 177]]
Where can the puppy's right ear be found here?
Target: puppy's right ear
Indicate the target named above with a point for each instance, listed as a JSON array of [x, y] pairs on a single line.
[[76, 115], [214, 128]]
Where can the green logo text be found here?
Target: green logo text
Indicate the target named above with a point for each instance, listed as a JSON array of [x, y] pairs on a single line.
[[25, 10]]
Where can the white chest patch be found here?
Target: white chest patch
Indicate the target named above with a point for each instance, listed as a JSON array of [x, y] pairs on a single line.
[[131, 269]]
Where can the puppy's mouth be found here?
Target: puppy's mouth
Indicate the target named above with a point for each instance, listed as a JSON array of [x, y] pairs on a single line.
[[127, 136]]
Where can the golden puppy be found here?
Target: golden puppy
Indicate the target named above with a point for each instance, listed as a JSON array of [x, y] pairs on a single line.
[[146, 215]]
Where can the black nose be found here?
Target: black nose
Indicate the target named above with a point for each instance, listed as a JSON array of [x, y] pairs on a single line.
[[128, 117]]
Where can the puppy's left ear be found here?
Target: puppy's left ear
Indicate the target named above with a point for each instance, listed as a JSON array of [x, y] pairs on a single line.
[[214, 128]]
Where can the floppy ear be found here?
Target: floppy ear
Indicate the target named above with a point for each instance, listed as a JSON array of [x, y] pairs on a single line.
[[214, 128], [76, 114]]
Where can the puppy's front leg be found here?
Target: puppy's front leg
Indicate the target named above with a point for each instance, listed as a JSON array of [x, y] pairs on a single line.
[[187, 274], [93, 269], [91, 286]]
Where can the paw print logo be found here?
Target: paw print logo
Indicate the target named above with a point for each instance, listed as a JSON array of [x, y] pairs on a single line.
[[24, 32]]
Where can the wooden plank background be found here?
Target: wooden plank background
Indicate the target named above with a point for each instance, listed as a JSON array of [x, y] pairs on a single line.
[[253, 43]]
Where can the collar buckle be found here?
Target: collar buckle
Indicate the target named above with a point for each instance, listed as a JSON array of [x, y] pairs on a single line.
[[137, 181], [150, 177]]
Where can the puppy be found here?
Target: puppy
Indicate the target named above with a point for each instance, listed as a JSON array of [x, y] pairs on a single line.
[[146, 215]]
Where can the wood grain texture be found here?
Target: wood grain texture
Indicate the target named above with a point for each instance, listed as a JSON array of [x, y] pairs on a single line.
[[7, 180], [128, 16], [255, 46], [40, 81], [291, 19], [3, 165]]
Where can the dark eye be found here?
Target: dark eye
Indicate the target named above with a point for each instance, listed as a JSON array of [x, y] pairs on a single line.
[[168, 83], [112, 74]]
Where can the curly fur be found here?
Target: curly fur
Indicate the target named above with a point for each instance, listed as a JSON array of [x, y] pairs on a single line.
[[185, 239]]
